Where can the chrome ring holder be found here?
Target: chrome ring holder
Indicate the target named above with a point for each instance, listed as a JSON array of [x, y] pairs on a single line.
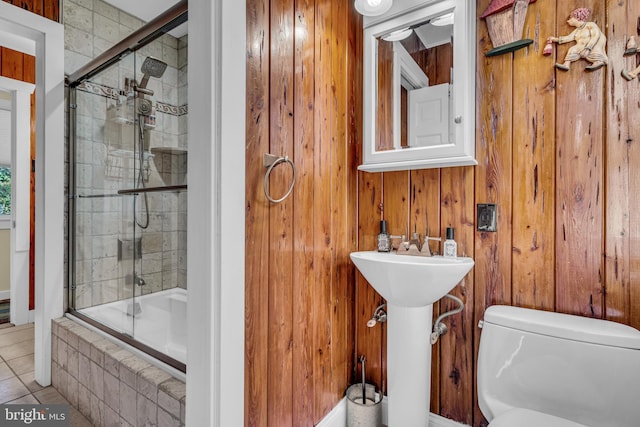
[[270, 161]]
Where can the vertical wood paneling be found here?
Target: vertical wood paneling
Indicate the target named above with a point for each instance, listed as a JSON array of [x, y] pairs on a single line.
[[354, 154], [280, 303], [51, 10], [425, 214], [494, 105], [369, 341], [617, 255], [384, 123], [395, 205], [395, 202], [38, 7], [457, 350], [579, 180], [342, 283], [257, 215], [322, 210], [557, 152], [299, 281], [12, 65], [632, 95], [534, 120], [303, 272]]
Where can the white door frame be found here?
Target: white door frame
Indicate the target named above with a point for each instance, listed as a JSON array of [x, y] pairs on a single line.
[[47, 39], [216, 212], [20, 196]]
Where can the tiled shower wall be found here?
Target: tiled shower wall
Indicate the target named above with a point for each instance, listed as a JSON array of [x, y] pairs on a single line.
[[109, 385], [105, 161]]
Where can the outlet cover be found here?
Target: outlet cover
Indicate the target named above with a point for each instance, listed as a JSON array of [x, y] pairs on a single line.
[[487, 217]]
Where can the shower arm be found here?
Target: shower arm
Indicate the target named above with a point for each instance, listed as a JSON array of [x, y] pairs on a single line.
[[142, 87]]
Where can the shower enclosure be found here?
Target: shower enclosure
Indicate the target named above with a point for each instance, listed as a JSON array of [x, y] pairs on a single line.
[[128, 190]]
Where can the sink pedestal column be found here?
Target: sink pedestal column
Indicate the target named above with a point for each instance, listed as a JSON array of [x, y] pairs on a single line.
[[409, 365]]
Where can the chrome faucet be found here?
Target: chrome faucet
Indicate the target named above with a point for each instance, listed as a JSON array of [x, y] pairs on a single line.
[[426, 251], [138, 280]]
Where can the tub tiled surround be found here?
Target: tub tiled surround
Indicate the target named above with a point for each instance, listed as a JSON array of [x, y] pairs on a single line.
[[110, 385], [105, 160]]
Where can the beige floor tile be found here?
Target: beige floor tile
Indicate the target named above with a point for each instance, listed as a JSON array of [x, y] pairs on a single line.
[[5, 371], [16, 328], [25, 400], [21, 365], [16, 357], [49, 395], [13, 351], [10, 338], [11, 389], [76, 419], [28, 380]]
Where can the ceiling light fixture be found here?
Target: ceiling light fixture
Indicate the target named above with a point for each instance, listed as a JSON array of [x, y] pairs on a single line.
[[398, 35], [372, 7], [443, 20]]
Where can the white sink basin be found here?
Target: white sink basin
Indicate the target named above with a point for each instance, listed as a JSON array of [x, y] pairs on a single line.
[[408, 280]]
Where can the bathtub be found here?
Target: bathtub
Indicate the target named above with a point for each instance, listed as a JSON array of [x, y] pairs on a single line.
[[159, 321]]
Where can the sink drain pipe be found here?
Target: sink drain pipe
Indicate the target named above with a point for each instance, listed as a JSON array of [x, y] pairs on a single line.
[[440, 328]]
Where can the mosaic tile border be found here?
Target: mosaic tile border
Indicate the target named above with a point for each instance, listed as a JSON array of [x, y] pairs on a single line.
[[112, 93]]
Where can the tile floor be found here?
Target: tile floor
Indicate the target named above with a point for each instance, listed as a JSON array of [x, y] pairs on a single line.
[[16, 373]]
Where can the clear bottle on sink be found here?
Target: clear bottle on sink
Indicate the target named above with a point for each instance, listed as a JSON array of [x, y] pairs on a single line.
[[450, 247], [384, 240]]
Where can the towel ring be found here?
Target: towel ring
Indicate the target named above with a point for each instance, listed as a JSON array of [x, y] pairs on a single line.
[[270, 162]]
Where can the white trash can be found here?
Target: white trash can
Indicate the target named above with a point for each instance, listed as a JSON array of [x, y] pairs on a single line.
[[368, 414]]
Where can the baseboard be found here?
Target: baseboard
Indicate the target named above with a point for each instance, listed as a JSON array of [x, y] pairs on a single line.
[[338, 417], [438, 421]]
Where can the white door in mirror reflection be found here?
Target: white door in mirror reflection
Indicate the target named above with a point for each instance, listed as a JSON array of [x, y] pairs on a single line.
[[428, 124]]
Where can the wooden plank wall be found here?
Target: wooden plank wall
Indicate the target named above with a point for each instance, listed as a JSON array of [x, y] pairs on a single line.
[[558, 154], [21, 66], [302, 102]]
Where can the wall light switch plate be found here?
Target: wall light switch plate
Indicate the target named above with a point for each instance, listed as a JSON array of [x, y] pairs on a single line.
[[487, 217]]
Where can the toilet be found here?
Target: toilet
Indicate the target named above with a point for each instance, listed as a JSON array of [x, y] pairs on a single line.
[[544, 369]]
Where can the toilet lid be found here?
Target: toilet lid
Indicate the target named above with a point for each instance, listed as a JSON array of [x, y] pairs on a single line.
[[528, 418]]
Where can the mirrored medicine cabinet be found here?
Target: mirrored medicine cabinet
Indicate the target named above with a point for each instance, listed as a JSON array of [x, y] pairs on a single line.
[[419, 88]]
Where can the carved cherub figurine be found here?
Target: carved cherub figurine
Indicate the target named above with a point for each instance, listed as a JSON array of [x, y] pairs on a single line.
[[590, 41], [630, 75], [632, 49]]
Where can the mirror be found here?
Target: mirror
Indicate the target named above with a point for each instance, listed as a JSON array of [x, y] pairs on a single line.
[[419, 88]]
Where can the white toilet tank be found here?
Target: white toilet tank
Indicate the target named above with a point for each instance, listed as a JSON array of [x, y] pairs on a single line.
[[580, 369]]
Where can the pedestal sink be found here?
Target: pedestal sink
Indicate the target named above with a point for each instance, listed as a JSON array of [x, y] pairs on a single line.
[[410, 284]]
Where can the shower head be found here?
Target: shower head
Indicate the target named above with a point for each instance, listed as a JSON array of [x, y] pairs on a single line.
[[151, 67]]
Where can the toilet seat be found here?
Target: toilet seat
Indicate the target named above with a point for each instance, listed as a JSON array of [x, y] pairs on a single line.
[[521, 417]]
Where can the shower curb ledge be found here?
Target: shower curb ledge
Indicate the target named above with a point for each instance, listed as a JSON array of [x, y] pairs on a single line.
[[111, 385], [338, 417]]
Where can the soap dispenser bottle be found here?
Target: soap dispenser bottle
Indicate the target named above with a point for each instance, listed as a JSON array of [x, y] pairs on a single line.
[[450, 247], [384, 241]]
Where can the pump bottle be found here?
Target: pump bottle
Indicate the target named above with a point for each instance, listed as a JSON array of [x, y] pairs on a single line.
[[450, 247]]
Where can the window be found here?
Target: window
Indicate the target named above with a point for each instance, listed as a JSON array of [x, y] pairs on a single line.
[[5, 155], [5, 190]]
